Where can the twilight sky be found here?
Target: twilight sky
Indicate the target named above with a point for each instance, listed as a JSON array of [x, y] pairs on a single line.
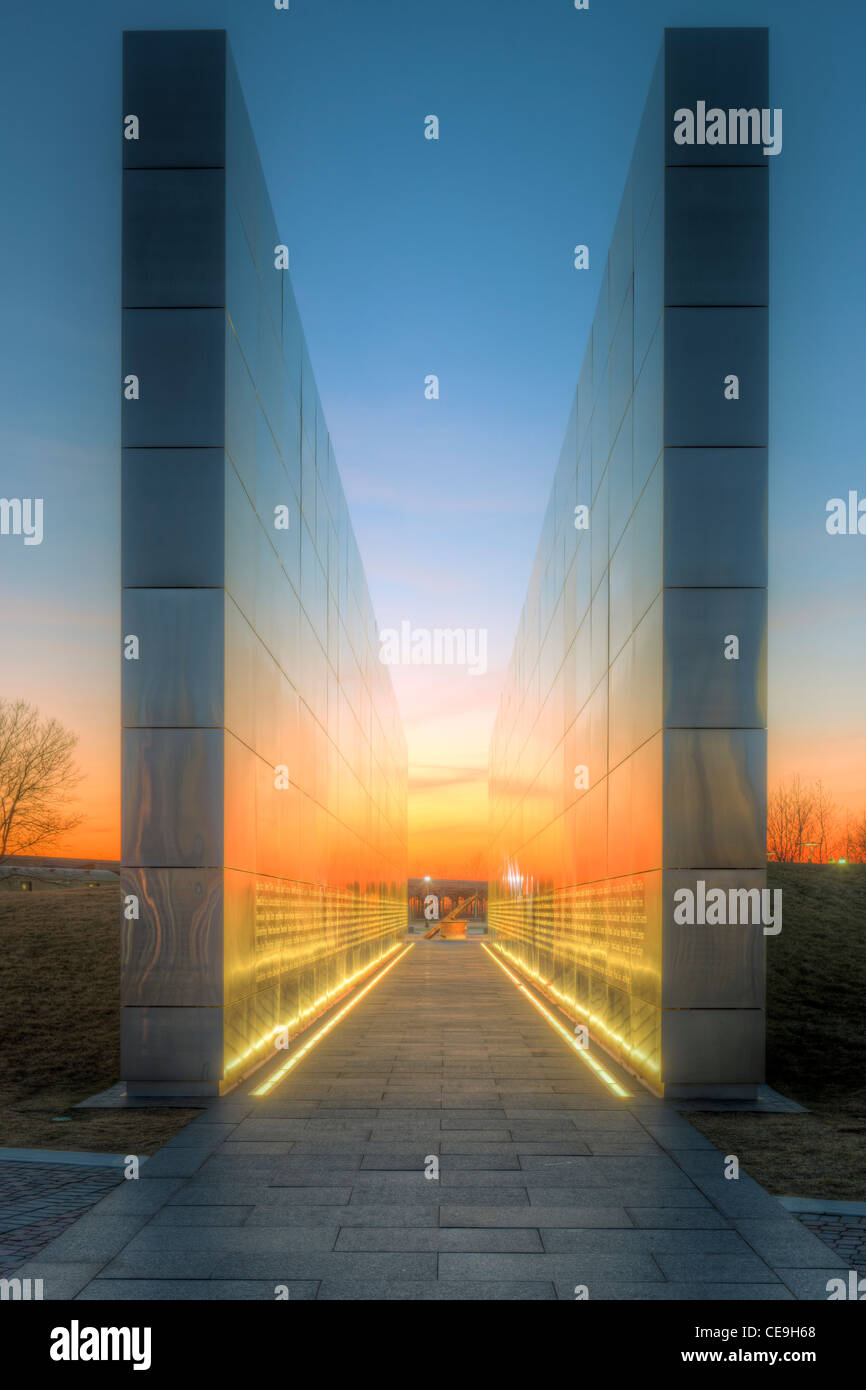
[[412, 257]]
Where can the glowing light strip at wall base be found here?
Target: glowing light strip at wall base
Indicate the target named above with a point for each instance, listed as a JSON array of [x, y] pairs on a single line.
[[603, 1075], [650, 1070], [318, 1006], [308, 1046]]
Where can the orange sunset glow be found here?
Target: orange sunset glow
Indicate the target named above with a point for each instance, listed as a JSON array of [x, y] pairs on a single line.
[[447, 717]]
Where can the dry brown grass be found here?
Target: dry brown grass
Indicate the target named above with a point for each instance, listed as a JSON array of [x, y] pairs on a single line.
[[60, 1026], [816, 1038]]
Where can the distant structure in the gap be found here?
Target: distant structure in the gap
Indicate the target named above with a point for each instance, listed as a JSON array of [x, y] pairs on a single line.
[[447, 894]]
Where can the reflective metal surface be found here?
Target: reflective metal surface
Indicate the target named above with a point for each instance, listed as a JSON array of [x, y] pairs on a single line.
[[175, 954], [703, 348], [723, 67], [172, 798], [727, 487], [173, 238], [715, 798], [716, 236], [264, 783], [176, 84], [713, 1047], [178, 679], [160, 1046], [702, 687], [628, 758], [720, 965], [177, 356], [172, 518]]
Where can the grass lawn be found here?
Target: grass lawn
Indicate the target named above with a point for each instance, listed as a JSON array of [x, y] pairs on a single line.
[[816, 1041], [60, 1026]]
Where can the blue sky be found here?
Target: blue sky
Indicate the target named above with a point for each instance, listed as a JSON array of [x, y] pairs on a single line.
[[411, 257]]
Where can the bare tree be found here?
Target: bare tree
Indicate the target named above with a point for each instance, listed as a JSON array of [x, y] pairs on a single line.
[[802, 806], [779, 841], [793, 819], [776, 826], [856, 840], [37, 773], [826, 822]]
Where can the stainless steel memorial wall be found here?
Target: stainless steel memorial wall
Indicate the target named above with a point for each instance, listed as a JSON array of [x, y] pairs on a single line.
[[264, 763], [628, 760]]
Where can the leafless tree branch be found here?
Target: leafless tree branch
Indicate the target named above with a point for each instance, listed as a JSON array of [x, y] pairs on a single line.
[[37, 775]]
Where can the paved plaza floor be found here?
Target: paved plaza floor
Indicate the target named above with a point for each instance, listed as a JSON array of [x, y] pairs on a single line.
[[38, 1201], [548, 1183]]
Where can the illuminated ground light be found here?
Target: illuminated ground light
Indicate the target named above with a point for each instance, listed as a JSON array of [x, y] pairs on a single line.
[[308, 1046], [313, 1009], [603, 1075], [594, 1022]]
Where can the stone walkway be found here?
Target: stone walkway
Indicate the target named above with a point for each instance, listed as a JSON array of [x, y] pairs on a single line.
[[547, 1180], [38, 1201], [845, 1234]]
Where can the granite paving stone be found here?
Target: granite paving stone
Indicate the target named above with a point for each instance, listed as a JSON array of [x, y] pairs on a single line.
[[195, 1290], [714, 1268], [669, 1291], [547, 1180], [40, 1201], [61, 1279], [677, 1218], [843, 1232], [201, 1216], [785, 1242], [553, 1267], [813, 1283], [254, 1240], [368, 1215], [717, 1240], [436, 1290], [483, 1241]]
